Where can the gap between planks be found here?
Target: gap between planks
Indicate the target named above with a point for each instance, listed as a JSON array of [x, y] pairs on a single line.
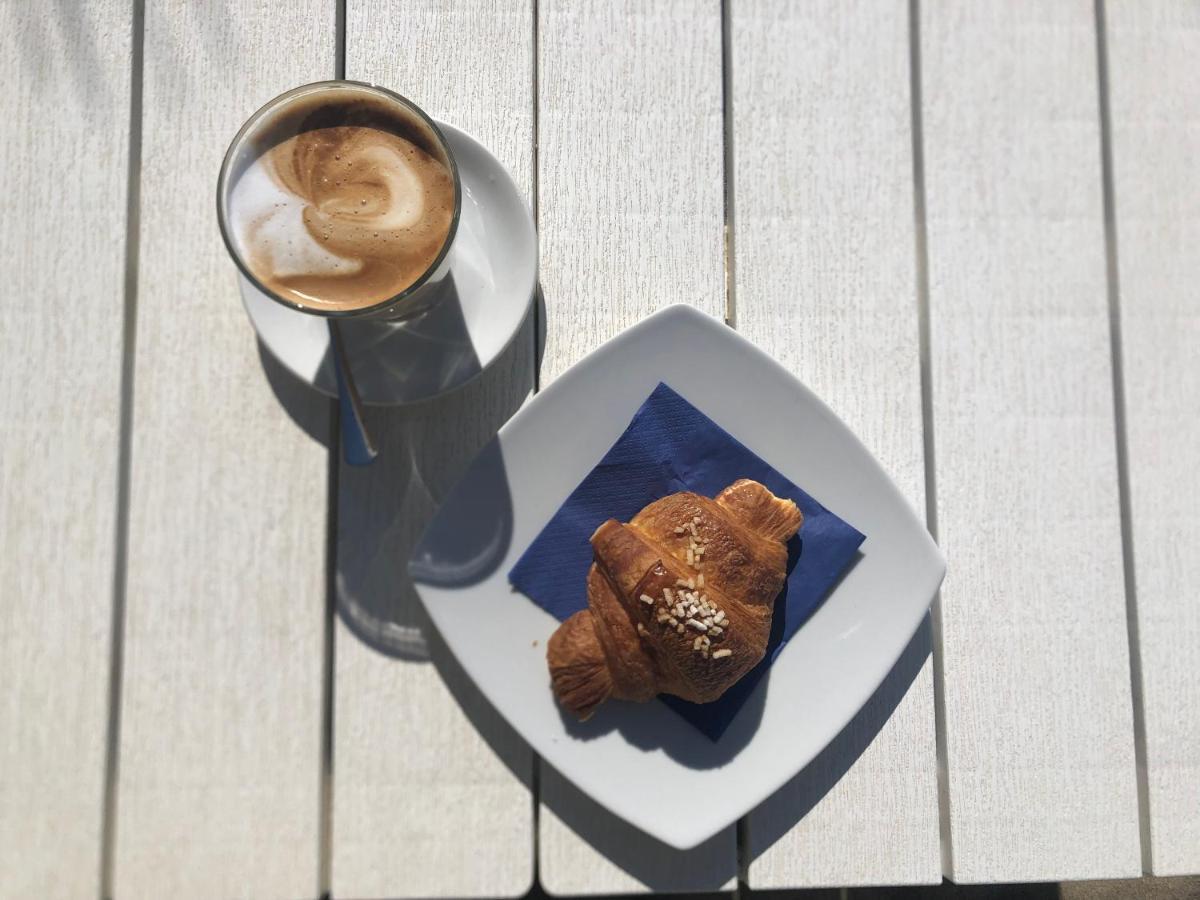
[[328, 642], [741, 840], [133, 199], [535, 784], [921, 251], [1113, 285], [729, 186]]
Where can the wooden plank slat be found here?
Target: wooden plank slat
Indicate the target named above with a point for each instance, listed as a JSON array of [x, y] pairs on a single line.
[[65, 105], [1154, 100], [431, 787], [826, 283], [631, 219], [221, 719], [1039, 734]]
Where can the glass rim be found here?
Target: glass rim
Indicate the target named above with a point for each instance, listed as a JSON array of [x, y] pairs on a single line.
[[280, 100]]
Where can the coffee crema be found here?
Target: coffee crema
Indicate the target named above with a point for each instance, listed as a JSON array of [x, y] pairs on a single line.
[[345, 200]]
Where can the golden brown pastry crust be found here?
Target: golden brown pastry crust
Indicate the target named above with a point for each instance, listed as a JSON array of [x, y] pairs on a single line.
[[626, 648]]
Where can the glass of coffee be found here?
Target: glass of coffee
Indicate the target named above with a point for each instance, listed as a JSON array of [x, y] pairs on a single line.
[[342, 200]]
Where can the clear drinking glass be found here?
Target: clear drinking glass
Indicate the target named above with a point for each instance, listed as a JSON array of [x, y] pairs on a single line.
[[247, 146]]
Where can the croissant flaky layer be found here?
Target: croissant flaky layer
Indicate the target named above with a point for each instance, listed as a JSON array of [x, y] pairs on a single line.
[[679, 599]]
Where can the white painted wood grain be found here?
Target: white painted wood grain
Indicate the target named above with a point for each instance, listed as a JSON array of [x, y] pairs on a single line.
[[221, 725], [629, 165], [1039, 733], [65, 106], [1155, 105], [631, 219], [826, 283], [431, 787]]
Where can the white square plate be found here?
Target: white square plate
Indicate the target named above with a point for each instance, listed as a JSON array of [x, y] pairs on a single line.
[[639, 760]]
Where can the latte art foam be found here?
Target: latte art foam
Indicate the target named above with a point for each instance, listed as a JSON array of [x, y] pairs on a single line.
[[341, 207]]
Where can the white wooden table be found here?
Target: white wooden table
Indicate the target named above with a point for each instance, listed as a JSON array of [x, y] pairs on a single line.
[[972, 228]]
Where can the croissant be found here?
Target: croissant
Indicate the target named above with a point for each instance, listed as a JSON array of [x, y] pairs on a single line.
[[679, 600]]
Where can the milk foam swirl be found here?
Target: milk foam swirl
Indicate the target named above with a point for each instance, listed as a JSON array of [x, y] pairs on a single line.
[[343, 210]]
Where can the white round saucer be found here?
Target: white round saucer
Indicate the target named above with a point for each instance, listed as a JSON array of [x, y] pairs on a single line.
[[493, 273]]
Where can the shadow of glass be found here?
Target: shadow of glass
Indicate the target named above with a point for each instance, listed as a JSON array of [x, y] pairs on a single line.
[[375, 513], [375, 529], [466, 541], [310, 409], [383, 509], [780, 812]]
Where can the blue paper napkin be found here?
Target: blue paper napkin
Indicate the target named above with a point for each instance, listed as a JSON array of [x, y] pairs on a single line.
[[671, 446]]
